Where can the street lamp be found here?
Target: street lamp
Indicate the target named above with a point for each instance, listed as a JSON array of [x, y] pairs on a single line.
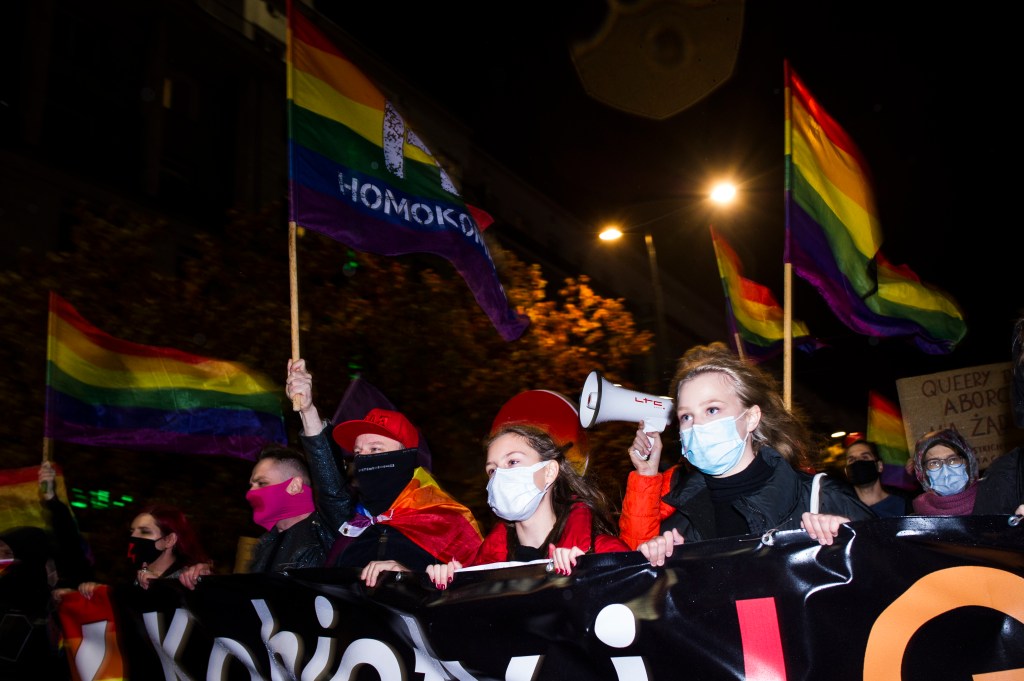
[[612, 233], [722, 193]]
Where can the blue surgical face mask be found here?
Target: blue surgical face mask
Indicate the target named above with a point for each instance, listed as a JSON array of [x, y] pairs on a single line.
[[948, 480], [715, 447]]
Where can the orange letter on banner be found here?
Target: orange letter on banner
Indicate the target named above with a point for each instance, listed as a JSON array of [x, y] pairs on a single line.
[[929, 597]]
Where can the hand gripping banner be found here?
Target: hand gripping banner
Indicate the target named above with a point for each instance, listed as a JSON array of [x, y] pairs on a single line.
[[900, 598]]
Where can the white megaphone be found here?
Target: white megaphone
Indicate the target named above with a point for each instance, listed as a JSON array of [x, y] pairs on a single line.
[[605, 401]]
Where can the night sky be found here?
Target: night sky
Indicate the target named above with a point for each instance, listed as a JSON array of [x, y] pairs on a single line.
[[919, 88]]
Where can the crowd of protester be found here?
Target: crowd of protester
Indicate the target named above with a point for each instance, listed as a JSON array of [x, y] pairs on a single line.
[[747, 468]]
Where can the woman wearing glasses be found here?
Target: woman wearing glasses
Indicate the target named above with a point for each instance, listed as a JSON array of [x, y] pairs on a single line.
[[948, 472]]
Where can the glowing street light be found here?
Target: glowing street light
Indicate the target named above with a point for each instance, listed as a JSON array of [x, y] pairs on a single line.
[[721, 193]]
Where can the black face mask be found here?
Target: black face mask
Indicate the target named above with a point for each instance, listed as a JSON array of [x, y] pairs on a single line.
[[382, 477], [142, 551], [862, 472]]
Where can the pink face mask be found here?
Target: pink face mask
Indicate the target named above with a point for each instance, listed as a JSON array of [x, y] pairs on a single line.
[[273, 503]]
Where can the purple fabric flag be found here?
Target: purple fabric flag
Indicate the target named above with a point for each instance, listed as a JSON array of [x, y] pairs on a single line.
[[360, 175]]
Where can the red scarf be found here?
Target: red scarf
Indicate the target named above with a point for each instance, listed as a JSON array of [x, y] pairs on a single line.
[[961, 503]]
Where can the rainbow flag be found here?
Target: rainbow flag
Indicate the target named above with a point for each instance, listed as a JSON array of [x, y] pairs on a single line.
[[885, 429], [19, 497], [833, 238], [755, 318], [360, 175], [436, 522], [104, 391]]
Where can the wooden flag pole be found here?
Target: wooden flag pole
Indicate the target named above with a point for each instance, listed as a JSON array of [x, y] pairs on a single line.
[[48, 441], [787, 286], [293, 280], [787, 343], [739, 347]]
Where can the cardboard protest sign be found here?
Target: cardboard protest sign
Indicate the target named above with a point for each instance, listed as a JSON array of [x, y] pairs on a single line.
[[975, 400]]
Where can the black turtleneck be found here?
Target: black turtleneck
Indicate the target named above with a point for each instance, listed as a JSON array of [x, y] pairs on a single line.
[[724, 491]]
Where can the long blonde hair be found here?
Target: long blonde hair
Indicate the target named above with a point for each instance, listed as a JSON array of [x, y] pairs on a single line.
[[784, 430]]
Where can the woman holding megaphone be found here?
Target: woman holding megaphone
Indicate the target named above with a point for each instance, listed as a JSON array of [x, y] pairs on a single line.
[[750, 454], [547, 509]]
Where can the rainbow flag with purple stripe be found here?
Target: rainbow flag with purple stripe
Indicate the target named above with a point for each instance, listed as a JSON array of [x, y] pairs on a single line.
[[755, 318], [885, 429], [360, 175], [833, 239], [104, 391]]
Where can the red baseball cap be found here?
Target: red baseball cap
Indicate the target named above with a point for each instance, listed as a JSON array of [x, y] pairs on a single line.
[[384, 422]]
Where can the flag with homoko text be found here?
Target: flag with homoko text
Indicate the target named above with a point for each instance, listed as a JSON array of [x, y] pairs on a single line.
[[109, 392], [359, 174], [833, 238], [755, 318]]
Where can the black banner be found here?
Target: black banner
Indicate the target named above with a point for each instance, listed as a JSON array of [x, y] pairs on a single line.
[[900, 598]]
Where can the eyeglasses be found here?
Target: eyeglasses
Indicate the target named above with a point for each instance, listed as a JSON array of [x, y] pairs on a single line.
[[954, 461]]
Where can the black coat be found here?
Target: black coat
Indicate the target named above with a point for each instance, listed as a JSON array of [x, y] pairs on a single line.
[[777, 505], [305, 544], [1001, 488]]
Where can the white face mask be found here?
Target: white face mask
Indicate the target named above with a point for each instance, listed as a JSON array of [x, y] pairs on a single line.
[[512, 494]]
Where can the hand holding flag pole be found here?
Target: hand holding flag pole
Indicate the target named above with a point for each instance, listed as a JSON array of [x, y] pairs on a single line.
[[293, 279]]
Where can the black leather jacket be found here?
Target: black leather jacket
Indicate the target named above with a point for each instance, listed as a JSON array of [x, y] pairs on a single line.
[[778, 504], [1001, 488], [305, 544]]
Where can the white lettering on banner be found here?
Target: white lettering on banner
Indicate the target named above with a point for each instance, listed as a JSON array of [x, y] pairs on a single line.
[[615, 626], [167, 647], [92, 650], [522, 668], [284, 647], [372, 197], [425, 662], [328, 618], [223, 650], [373, 653]]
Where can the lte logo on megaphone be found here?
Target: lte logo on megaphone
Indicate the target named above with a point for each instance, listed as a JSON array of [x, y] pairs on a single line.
[[605, 401]]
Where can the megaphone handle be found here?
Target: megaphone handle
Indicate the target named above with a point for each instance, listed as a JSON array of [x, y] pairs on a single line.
[[655, 425]]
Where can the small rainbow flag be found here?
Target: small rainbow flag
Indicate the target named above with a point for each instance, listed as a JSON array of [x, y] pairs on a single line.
[[755, 318], [104, 391], [19, 497], [833, 238], [885, 429], [360, 175]]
